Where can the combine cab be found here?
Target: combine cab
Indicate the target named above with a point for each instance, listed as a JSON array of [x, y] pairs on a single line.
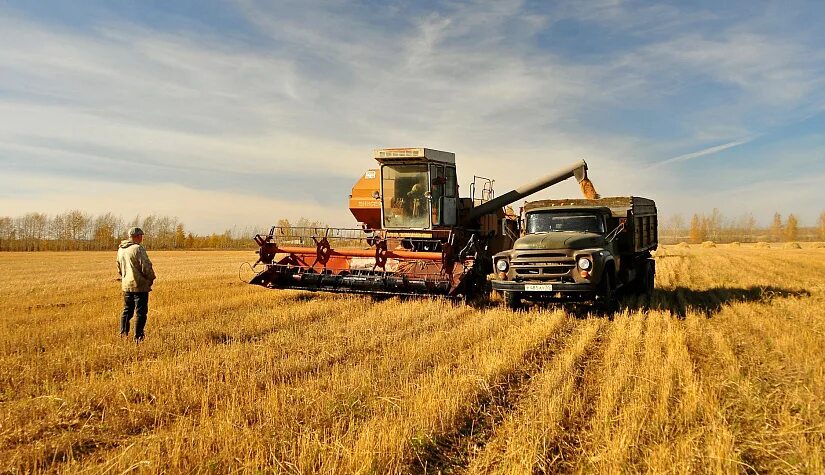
[[417, 237]]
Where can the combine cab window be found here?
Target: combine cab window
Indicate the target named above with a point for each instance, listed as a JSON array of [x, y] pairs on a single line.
[[556, 222], [406, 196]]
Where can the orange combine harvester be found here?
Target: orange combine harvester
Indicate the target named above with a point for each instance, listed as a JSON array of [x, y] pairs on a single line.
[[416, 235]]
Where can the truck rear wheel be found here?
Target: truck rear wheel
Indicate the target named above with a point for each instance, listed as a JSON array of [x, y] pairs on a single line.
[[512, 299], [650, 277], [645, 278]]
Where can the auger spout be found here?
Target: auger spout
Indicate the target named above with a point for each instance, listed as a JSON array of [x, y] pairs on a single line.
[[578, 169]]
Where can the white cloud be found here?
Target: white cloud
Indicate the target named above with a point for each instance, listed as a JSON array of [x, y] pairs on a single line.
[[186, 102], [324, 84], [769, 69]]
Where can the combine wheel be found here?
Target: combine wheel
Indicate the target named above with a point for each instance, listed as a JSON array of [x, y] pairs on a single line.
[[512, 299]]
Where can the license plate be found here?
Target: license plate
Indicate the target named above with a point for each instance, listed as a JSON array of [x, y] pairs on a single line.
[[538, 287]]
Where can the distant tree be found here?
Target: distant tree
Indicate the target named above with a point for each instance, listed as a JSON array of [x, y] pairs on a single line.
[[106, 228], [776, 228], [78, 224], [31, 231], [190, 241], [316, 226], [40, 226], [713, 225], [148, 225], [742, 228], [748, 227], [791, 231], [284, 226], [676, 226], [58, 232], [226, 239], [822, 226], [697, 229], [7, 234], [180, 237]]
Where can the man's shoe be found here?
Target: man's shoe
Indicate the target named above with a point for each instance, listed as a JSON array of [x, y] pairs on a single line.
[[139, 338], [124, 334]]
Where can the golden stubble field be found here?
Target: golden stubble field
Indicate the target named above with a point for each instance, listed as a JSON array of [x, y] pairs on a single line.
[[722, 371]]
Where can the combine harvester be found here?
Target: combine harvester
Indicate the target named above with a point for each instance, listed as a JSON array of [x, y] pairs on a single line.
[[417, 237]]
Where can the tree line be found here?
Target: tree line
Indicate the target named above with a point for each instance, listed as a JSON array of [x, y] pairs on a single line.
[[718, 228], [76, 230]]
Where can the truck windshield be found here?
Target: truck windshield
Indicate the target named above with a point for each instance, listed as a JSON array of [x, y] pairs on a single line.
[[555, 222], [404, 200]]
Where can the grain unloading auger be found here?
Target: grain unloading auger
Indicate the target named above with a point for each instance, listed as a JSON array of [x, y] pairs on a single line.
[[417, 237]]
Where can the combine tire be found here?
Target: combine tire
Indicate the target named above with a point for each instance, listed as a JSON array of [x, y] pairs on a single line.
[[512, 300]]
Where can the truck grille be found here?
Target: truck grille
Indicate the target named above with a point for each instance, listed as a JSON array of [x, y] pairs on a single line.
[[542, 265]]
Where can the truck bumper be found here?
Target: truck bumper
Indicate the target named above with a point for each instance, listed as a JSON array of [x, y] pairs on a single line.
[[559, 292]]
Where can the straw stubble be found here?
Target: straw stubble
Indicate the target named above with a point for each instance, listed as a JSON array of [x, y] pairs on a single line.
[[719, 371]]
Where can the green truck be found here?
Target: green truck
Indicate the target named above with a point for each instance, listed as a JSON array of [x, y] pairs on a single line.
[[580, 250]]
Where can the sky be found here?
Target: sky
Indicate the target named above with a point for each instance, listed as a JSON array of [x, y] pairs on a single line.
[[238, 113]]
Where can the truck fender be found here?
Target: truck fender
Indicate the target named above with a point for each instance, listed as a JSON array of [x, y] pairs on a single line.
[[608, 263]]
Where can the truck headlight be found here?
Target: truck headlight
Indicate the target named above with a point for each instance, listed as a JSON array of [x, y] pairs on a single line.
[[502, 265], [584, 263]]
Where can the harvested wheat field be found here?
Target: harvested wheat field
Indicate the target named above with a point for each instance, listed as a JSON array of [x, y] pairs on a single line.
[[723, 371]]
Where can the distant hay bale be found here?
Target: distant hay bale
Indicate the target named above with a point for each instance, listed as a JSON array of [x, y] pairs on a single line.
[[791, 245], [819, 245], [683, 245], [736, 244], [763, 245], [708, 244]]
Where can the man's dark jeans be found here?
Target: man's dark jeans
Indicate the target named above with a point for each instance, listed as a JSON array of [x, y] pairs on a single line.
[[134, 301]]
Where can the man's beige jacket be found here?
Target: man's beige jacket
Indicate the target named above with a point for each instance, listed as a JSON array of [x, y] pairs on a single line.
[[136, 273]]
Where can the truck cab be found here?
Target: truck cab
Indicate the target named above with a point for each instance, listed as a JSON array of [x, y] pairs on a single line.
[[579, 250]]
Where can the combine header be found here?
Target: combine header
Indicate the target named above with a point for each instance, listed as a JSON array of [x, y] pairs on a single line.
[[417, 237]]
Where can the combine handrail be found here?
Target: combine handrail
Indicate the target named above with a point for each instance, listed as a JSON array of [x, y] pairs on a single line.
[[578, 169]]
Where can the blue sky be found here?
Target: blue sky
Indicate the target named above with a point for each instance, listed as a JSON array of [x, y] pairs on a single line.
[[239, 113]]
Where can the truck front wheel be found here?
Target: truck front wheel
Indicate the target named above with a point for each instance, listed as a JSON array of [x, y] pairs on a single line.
[[606, 300], [512, 299]]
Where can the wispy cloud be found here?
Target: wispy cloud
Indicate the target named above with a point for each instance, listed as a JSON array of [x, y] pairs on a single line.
[[308, 88], [701, 153], [770, 69]]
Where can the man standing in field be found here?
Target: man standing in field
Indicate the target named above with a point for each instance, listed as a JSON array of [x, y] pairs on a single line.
[[136, 278]]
